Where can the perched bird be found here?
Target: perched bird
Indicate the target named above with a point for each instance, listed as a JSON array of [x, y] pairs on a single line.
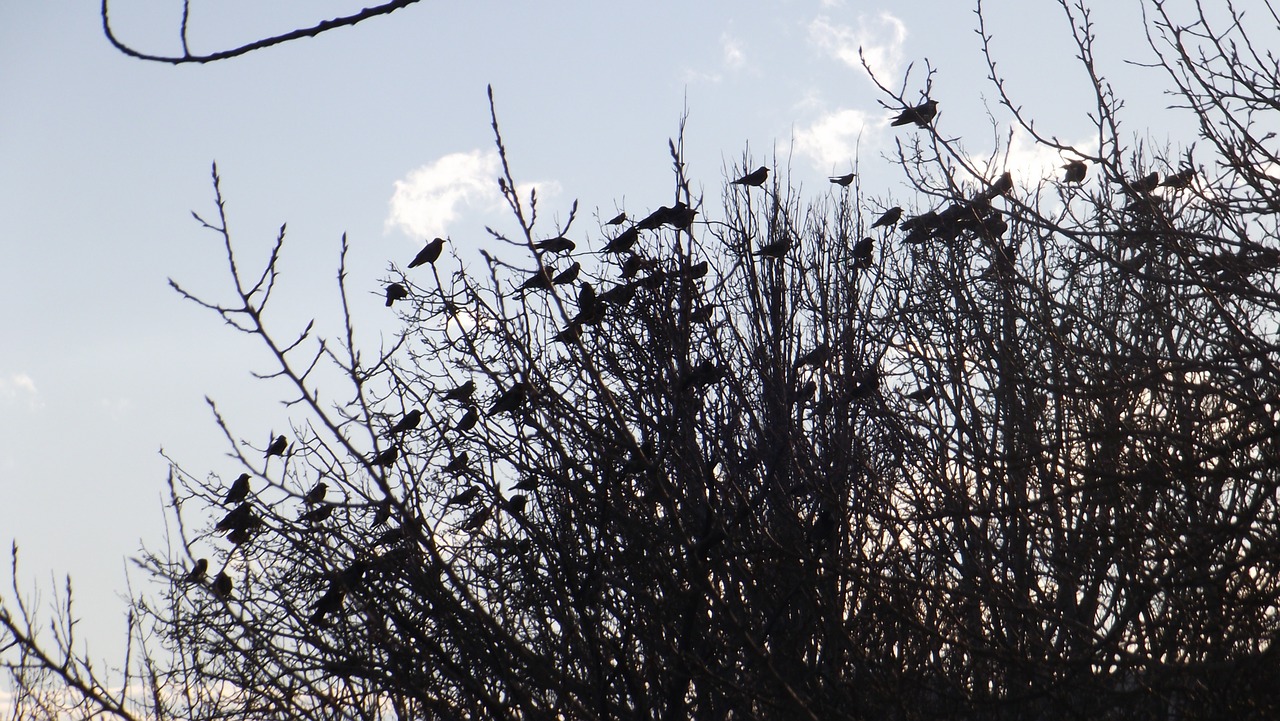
[[529, 483], [865, 383], [540, 280], [815, 357], [888, 218], [1076, 170], [464, 497], [196, 575], [806, 391], [568, 275], [468, 420], [383, 514], [925, 221], [516, 504], [429, 254], [1142, 185], [568, 335], [317, 514], [408, 422], [632, 265], [843, 181], [277, 446], [511, 399], [921, 114], [620, 294], [477, 519], [680, 216], [462, 392], [240, 517], [240, 536], [776, 249], [697, 270], [316, 495], [703, 314], [239, 490], [330, 603], [704, 374], [1002, 186], [222, 585], [396, 292], [390, 536], [922, 394], [623, 241], [618, 219], [654, 220], [559, 244], [1180, 180], [458, 463], [754, 179], [862, 253], [386, 457]]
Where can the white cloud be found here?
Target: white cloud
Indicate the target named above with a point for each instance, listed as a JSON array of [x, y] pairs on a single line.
[[20, 387], [879, 39], [731, 48], [831, 141], [1030, 162]]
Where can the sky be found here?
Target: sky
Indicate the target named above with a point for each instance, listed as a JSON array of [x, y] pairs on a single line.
[[382, 132]]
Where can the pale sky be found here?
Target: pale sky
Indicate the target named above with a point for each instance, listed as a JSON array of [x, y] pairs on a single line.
[[381, 131]]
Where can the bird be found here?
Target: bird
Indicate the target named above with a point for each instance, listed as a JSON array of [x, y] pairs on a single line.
[[922, 394], [1145, 184], [806, 391], [921, 114], [316, 495], [458, 463], [477, 519], [888, 218], [620, 294], [862, 253], [464, 497], [1002, 186], [680, 216], [618, 219], [516, 504], [222, 585], [697, 270], [754, 179], [704, 374], [632, 265], [530, 483], [239, 490], [776, 249], [540, 280], [1180, 180], [568, 335], [1076, 170], [241, 517], [386, 457], [511, 399], [408, 422], [318, 513], [462, 392], [329, 603], [568, 275], [429, 254], [558, 244], [383, 514], [468, 421], [196, 575], [277, 446], [623, 241], [654, 220], [815, 357], [843, 181], [396, 292]]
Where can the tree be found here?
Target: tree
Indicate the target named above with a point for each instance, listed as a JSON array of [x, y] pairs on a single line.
[[1012, 458]]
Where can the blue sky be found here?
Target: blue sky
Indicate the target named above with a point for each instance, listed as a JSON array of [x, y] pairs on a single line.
[[381, 132]]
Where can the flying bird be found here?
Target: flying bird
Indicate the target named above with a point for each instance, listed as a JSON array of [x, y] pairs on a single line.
[[568, 275], [396, 292], [197, 571], [754, 179], [559, 244], [462, 392], [277, 447], [843, 181], [408, 422], [1076, 170], [429, 254], [316, 495], [511, 399], [239, 490], [921, 114], [618, 219], [888, 218], [386, 457], [468, 421], [222, 585]]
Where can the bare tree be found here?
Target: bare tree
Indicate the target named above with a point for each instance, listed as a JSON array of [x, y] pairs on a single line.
[[1011, 453]]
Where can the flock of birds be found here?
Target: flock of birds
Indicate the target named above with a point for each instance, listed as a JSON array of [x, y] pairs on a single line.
[[974, 215]]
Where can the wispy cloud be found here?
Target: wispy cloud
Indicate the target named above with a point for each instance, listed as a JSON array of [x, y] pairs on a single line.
[[430, 198], [879, 38], [20, 388], [733, 56], [831, 140]]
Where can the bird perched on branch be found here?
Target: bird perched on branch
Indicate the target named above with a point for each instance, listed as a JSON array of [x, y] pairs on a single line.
[[921, 114], [862, 253], [754, 179], [239, 490], [316, 495], [468, 420], [568, 275], [464, 497], [1076, 170], [776, 249], [511, 399], [408, 422], [618, 219], [462, 392], [888, 218], [396, 292], [317, 514], [386, 457], [1180, 180], [540, 280], [222, 585], [277, 447], [428, 254], [843, 181], [196, 575], [623, 241], [458, 463], [815, 357], [559, 244]]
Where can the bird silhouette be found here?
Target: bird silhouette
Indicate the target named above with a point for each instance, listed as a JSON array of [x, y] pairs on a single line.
[[458, 463], [330, 603], [815, 357], [776, 249], [697, 270], [618, 219], [240, 517], [428, 254], [396, 292], [316, 494], [317, 514], [632, 265], [921, 114], [409, 421], [462, 392], [222, 585], [620, 294], [806, 391], [516, 504], [1076, 170], [568, 335], [239, 490], [468, 420], [477, 519], [464, 497], [383, 514], [843, 181], [921, 395], [623, 241], [568, 275], [1002, 186], [704, 374], [529, 483], [386, 457], [196, 575], [559, 244], [1180, 180], [754, 179], [654, 220], [1143, 185], [888, 218], [862, 253], [511, 399], [277, 446], [540, 280], [680, 216]]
